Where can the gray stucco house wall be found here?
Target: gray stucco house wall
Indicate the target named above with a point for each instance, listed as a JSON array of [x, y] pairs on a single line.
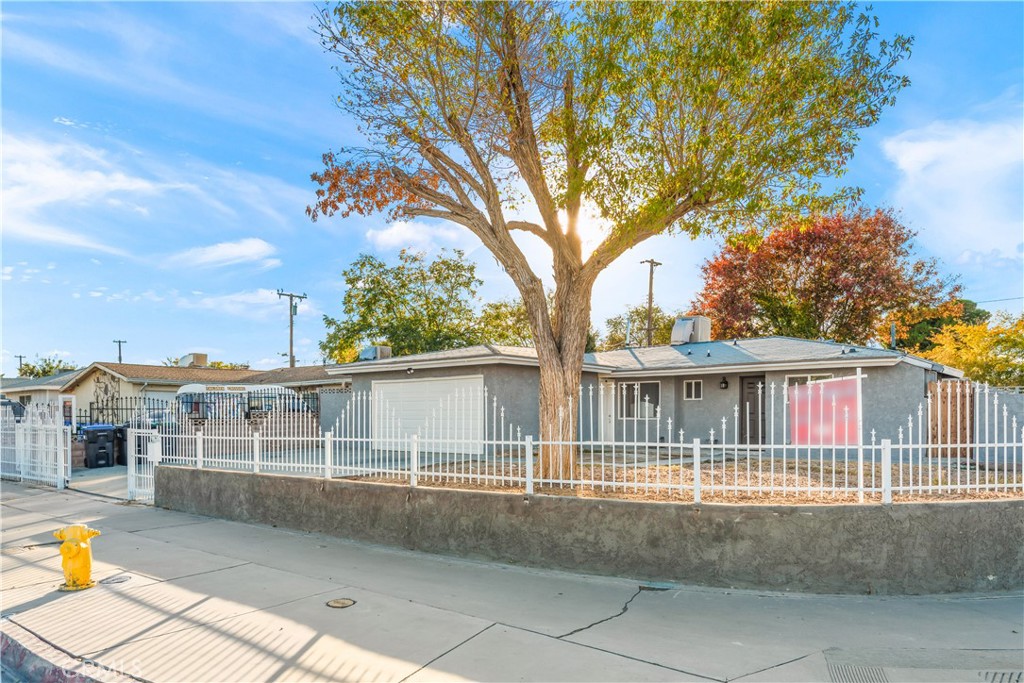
[[893, 387], [890, 395], [514, 388]]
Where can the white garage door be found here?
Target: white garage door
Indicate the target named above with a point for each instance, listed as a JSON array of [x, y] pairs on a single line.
[[446, 413]]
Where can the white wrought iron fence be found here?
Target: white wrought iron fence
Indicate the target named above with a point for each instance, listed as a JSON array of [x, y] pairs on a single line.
[[35, 446], [802, 442]]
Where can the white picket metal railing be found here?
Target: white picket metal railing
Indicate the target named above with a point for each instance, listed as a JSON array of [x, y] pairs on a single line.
[[35, 446], [802, 442]]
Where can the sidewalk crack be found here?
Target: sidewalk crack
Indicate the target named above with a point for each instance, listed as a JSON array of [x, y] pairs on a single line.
[[625, 608], [447, 651]]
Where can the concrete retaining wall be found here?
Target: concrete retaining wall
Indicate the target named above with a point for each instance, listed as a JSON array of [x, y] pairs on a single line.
[[901, 549]]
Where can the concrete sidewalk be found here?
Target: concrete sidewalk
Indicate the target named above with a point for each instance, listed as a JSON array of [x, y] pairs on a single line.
[[209, 600]]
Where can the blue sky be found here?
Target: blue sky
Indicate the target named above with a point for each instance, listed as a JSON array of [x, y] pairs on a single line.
[[156, 161]]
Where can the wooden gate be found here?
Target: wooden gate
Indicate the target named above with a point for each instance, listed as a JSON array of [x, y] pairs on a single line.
[[951, 422]]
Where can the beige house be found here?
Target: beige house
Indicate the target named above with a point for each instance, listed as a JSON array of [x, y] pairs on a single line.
[[103, 383]]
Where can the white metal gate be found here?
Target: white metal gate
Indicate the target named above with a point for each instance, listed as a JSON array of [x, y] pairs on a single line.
[[144, 452], [35, 446]]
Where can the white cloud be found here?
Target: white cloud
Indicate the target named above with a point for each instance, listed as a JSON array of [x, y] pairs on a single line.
[[39, 176], [961, 186], [7, 273], [412, 235], [248, 250], [269, 363], [257, 304]]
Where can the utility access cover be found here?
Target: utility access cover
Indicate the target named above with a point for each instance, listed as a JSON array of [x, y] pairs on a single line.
[[340, 603]]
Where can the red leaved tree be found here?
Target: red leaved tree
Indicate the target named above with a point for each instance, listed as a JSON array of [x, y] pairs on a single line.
[[842, 277]]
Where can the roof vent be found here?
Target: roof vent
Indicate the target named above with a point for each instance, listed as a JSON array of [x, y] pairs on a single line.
[[375, 353], [193, 360], [691, 329]]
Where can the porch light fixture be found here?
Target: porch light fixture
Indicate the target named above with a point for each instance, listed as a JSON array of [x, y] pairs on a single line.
[[724, 384]]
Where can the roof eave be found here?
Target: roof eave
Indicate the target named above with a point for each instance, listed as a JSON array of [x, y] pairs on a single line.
[[392, 365], [757, 367]]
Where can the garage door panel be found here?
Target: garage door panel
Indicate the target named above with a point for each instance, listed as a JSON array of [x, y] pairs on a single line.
[[446, 413]]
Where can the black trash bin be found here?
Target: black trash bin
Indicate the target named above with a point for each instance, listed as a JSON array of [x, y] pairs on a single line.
[[99, 445], [121, 445]]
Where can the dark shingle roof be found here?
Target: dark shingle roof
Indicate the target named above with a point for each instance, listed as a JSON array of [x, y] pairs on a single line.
[[25, 383], [171, 373], [307, 374]]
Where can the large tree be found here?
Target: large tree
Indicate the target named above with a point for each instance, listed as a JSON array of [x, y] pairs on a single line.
[[681, 117], [986, 352], [45, 366], [630, 328], [505, 322], [916, 333], [837, 278], [415, 306]]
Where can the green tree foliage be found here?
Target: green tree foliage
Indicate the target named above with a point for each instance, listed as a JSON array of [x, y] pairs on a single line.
[[225, 365], [920, 336], [44, 367], [841, 278], [635, 321], [990, 352], [684, 117], [504, 322], [216, 364], [414, 307]]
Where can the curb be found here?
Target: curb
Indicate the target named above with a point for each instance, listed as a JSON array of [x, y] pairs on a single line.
[[27, 656]]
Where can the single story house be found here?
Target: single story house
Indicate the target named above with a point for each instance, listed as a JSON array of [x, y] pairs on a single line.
[[100, 386], [634, 393]]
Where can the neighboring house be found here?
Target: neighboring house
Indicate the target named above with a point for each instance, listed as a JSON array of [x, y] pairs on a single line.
[[105, 384], [695, 384], [26, 390], [310, 382]]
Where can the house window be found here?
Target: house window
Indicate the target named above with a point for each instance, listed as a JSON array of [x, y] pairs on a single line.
[[639, 400], [693, 389], [792, 380]]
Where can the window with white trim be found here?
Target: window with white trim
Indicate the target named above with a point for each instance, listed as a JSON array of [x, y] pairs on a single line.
[[639, 400], [693, 389], [792, 380]]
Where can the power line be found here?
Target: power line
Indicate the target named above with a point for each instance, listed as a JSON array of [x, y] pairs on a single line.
[[293, 308], [21, 360], [992, 301], [119, 342], [650, 300]]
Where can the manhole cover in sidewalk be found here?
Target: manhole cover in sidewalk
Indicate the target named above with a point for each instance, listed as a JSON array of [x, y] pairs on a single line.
[[340, 603], [120, 578]]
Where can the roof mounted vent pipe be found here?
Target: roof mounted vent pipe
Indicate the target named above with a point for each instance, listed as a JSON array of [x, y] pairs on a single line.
[[691, 329], [375, 353]]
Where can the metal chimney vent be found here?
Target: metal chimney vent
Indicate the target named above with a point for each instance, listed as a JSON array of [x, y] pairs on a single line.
[[691, 329]]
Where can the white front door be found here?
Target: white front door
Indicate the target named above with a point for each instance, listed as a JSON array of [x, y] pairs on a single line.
[[608, 408]]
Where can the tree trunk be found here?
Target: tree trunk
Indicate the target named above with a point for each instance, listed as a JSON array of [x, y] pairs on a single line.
[[561, 365]]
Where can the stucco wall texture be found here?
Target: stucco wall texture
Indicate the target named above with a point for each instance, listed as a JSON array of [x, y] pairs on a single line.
[[891, 395], [899, 549]]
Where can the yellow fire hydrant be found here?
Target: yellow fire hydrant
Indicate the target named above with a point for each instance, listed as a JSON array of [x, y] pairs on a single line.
[[77, 553]]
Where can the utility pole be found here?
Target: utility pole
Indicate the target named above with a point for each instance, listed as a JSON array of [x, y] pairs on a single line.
[[21, 360], [119, 342], [650, 300], [293, 308]]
